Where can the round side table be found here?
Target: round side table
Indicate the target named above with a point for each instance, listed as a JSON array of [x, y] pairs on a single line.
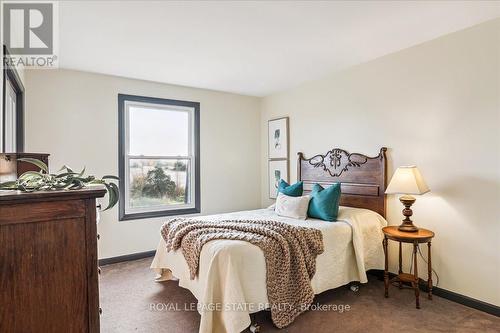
[[415, 238]]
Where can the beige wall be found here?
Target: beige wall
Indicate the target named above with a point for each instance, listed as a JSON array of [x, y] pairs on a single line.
[[74, 116], [435, 105]]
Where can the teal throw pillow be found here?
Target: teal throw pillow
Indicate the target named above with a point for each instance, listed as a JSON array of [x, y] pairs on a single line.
[[324, 203], [294, 190]]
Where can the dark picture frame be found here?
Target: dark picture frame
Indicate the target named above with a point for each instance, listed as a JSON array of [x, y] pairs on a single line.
[[123, 216], [10, 73]]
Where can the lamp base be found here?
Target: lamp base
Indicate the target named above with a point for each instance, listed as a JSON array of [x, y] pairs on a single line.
[[407, 225]]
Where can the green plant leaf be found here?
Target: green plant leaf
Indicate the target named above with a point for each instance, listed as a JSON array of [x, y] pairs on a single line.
[[62, 184], [116, 193], [12, 185], [110, 196], [36, 162], [85, 180], [30, 174], [67, 168], [65, 174], [113, 194], [110, 177], [76, 184]]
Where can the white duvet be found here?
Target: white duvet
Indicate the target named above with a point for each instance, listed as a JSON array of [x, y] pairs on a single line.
[[232, 274]]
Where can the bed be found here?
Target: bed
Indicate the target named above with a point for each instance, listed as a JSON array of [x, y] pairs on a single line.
[[231, 282]]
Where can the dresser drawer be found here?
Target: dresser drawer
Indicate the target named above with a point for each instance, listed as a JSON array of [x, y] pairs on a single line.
[[41, 211]]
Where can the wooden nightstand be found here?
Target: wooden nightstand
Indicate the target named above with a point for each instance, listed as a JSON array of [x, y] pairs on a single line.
[[421, 236]]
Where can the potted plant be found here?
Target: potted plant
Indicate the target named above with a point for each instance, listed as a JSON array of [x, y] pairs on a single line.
[[64, 179]]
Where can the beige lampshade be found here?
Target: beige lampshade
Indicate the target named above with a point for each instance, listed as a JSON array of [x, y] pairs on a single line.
[[407, 180]]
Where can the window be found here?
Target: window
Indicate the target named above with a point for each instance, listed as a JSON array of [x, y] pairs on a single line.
[[159, 157]]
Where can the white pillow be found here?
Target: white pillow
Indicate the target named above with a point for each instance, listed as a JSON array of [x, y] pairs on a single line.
[[294, 207]]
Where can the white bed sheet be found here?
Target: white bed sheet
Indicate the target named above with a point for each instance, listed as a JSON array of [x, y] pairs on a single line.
[[232, 274]]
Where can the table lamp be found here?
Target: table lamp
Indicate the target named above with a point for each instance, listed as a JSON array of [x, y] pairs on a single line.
[[407, 180]]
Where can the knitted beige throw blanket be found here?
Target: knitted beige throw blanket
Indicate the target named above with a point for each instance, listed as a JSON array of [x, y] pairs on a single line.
[[290, 253]]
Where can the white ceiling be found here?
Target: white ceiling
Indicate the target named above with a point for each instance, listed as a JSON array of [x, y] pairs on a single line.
[[249, 47]]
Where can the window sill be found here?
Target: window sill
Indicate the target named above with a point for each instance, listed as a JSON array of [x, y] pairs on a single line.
[[160, 213]]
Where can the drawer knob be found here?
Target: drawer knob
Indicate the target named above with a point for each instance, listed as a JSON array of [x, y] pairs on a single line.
[[100, 311], [99, 270], [98, 236]]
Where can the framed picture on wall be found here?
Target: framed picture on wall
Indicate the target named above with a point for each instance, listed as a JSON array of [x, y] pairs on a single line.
[[278, 169], [277, 138]]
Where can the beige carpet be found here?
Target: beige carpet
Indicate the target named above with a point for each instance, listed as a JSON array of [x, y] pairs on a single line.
[[133, 302]]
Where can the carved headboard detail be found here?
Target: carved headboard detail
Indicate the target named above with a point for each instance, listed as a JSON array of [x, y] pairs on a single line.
[[362, 178]]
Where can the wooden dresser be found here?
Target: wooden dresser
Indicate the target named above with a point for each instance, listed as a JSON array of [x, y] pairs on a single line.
[[48, 261]]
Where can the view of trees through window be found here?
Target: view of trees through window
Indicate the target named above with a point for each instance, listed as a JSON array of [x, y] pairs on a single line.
[[158, 182]]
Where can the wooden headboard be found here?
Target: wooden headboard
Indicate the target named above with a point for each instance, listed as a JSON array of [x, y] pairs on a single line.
[[362, 178]]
